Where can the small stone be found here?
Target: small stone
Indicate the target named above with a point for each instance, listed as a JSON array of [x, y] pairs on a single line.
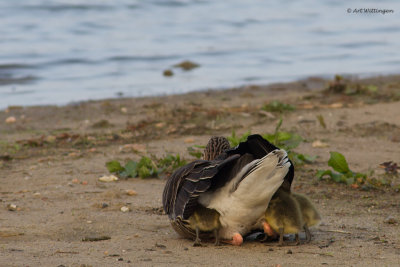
[[107, 179], [12, 207], [187, 65], [89, 222], [133, 147], [124, 110], [168, 73], [75, 181], [289, 251], [50, 139], [319, 144], [131, 192], [120, 259], [160, 124], [104, 205], [188, 140], [124, 209], [271, 249], [390, 220], [10, 120]]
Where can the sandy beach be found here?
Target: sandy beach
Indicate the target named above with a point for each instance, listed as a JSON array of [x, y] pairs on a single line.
[[51, 159]]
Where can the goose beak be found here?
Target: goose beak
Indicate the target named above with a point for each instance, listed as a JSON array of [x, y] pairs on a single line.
[[237, 239], [268, 230]]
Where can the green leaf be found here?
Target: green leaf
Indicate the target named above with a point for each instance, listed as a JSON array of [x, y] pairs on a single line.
[[130, 169], [337, 177], [144, 172], [235, 140], [372, 88], [114, 166], [302, 158], [338, 162], [195, 152], [277, 106], [321, 173]]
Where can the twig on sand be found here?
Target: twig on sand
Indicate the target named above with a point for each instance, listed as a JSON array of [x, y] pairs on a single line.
[[336, 231], [316, 253], [66, 252]]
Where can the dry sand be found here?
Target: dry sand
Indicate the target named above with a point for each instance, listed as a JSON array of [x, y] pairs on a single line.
[[52, 157]]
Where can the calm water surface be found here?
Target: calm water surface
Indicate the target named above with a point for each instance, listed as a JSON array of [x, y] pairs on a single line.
[[62, 51]]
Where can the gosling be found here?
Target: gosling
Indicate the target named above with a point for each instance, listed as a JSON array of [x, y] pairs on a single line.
[[205, 220], [311, 216], [284, 215]]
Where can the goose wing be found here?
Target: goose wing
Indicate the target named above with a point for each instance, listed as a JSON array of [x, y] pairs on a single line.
[[186, 184]]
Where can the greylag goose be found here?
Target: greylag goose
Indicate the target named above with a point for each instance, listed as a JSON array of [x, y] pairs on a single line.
[[238, 183], [311, 216], [284, 216]]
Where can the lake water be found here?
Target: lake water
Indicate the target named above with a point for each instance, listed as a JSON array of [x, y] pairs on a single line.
[[58, 52]]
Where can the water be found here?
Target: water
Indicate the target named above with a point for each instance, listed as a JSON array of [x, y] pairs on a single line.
[[61, 51]]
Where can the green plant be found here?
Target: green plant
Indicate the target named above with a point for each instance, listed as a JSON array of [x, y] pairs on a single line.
[[145, 167], [277, 106], [289, 141], [170, 163], [235, 140], [341, 172], [196, 151]]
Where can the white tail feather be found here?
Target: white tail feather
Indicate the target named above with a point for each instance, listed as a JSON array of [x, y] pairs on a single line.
[[241, 205]]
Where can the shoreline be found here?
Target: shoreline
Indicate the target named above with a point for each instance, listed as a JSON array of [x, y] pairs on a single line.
[[51, 159], [325, 78]]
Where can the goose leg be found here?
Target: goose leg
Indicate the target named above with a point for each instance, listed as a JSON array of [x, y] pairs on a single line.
[[308, 233], [197, 242], [281, 236], [216, 235], [297, 239]]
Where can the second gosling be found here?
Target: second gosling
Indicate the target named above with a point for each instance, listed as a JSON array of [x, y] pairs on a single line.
[[284, 215], [205, 220], [311, 216]]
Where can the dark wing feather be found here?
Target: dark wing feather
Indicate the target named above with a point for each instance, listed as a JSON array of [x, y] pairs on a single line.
[[185, 185]]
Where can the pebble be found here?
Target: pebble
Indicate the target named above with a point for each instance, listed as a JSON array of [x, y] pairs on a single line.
[[160, 124], [289, 251], [131, 192], [189, 140], [107, 179], [168, 73], [133, 147], [390, 220], [51, 139], [124, 110], [12, 207], [10, 120], [187, 65], [124, 209], [319, 144]]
